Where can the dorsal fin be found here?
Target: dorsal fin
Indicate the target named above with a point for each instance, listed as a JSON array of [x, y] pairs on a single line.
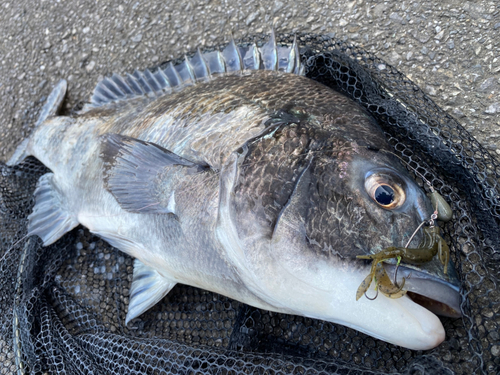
[[270, 53], [201, 67]]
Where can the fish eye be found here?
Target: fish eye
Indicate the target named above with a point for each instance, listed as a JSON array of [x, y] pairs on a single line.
[[385, 191]]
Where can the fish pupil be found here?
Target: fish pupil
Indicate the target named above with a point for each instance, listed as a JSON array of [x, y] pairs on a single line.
[[384, 195]]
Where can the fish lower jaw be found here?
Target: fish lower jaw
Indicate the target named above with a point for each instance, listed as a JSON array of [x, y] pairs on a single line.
[[435, 338], [399, 321], [430, 326], [408, 324]]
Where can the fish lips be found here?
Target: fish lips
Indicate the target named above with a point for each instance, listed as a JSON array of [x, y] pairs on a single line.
[[438, 293]]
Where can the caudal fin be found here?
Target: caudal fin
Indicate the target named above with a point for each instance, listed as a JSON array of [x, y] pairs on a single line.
[[50, 218], [50, 108]]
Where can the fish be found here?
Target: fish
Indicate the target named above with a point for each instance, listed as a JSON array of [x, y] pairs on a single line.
[[235, 173]]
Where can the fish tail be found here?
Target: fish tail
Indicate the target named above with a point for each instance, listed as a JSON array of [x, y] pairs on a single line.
[[50, 108]]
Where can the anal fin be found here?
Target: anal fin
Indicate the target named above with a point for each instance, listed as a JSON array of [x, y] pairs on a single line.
[[49, 220], [148, 288]]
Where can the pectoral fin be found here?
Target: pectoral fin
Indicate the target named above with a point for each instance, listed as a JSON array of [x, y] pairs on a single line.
[[148, 288], [134, 173]]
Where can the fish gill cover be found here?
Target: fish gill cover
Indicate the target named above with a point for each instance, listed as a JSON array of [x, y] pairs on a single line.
[[63, 307]]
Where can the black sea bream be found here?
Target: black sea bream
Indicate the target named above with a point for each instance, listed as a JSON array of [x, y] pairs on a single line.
[[234, 173]]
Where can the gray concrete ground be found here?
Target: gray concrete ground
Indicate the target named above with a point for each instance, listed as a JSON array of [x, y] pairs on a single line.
[[450, 48]]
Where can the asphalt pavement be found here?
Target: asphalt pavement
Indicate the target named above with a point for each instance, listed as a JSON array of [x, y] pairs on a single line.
[[450, 48]]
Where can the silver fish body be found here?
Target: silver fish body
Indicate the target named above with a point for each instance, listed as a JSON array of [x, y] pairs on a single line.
[[248, 183]]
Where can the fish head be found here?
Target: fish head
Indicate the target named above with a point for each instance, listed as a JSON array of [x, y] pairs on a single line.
[[295, 211]]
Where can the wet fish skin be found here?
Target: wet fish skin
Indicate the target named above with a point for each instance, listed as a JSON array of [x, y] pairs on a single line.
[[318, 125], [275, 221]]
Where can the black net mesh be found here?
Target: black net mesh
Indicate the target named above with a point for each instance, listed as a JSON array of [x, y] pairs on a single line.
[[63, 307]]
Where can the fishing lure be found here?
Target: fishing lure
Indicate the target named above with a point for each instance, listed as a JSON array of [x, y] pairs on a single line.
[[431, 244]]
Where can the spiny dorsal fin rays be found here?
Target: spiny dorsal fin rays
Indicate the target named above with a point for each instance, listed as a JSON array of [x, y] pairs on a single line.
[[173, 75], [142, 81], [301, 71], [232, 57], [162, 79], [134, 85], [112, 88], [104, 92], [270, 53], [201, 67], [293, 57], [256, 57], [189, 70], [215, 61], [152, 82], [122, 84]]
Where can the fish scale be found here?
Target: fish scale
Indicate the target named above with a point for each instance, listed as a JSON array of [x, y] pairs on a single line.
[[234, 173]]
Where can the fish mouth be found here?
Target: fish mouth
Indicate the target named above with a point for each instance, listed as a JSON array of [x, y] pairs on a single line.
[[440, 294]]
